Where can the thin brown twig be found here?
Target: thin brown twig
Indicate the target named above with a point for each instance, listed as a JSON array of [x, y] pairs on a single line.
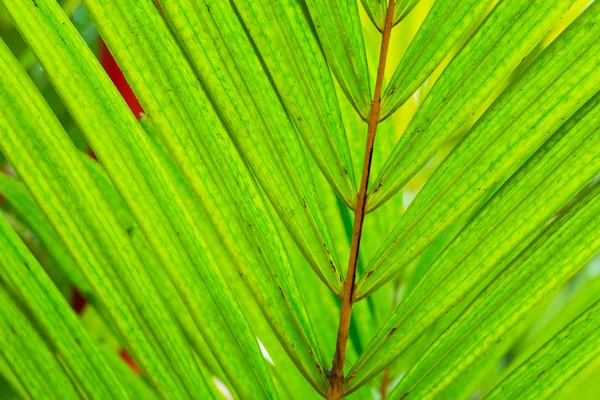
[[336, 376], [385, 383]]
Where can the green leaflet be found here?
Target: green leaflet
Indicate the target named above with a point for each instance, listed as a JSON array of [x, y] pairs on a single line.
[[10, 387], [446, 23], [555, 363], [26, 57], [256, 121], [285, 43], [560, 168], [54, 271], [322, 305], [338, 27], [554, 257], [18, 196], [584, 385], [290, 382], [376, 10], [8, 391], [39, 373], [507, 35], [523, 117], [191, 130], [21, 275], [104, 114], [402, 8]]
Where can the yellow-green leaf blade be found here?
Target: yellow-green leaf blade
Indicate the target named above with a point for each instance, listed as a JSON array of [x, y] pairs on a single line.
[[53, 148], [376, 10], [256, 121], [446, 23], [338, 26], [51, 170]]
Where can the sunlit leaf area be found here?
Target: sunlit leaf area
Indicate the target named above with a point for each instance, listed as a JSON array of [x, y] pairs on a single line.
[[300, 199]]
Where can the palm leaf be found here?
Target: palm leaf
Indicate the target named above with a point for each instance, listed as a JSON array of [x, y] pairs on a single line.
[[445, 24], [280, 166], [160, 278], [376, 10], [552, 89], [495, 233], [210, 234], [516, 28], [294, 61]]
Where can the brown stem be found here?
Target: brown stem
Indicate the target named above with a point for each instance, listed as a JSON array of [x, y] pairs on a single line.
[[336, 376], [385, 384]]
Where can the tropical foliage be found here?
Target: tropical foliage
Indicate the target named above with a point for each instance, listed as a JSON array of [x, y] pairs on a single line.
[[363, 199]]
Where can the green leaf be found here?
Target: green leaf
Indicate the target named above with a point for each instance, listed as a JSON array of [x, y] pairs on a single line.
[[22, 275], [507, 35], [28, 357], [578, 295], [16, 193], [134, 384], [402, 8], [564, 164], [10, 386], [210, 236], [51, 169], [7, 391], [584, 385], [554, 364], [208, 159], [256, 121], [161, 279], [338, 27], [18, 196], [113, 121], [555, 312], [376, 10], [446, 23], [286, 45], [554, 257], [520, 120]]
